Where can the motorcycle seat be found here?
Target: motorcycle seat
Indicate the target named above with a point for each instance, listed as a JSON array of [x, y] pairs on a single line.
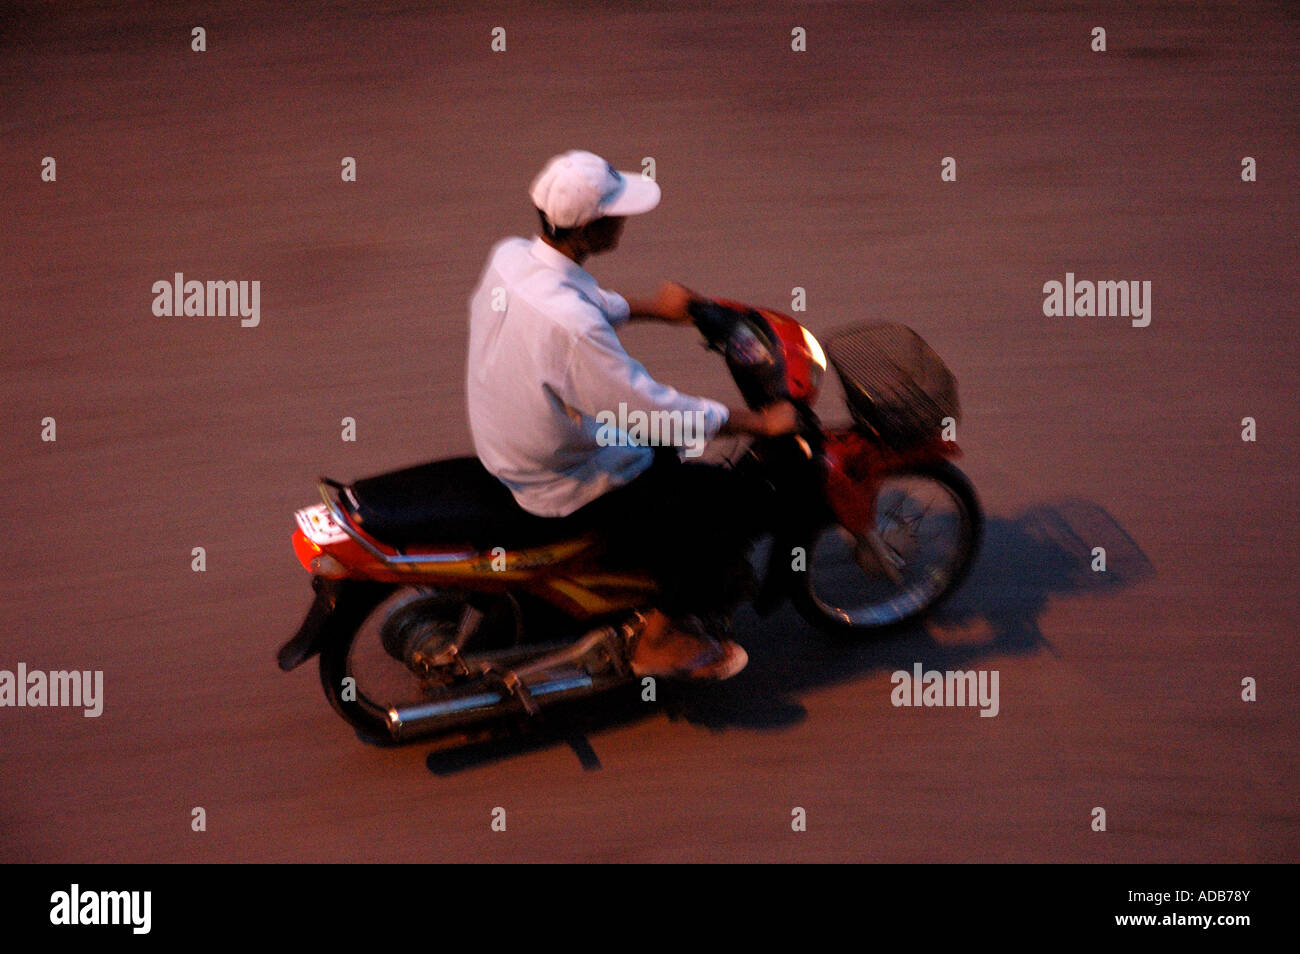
[[453, 501]]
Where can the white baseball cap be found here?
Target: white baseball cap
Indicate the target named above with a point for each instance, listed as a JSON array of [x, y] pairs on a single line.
[[578, 187]]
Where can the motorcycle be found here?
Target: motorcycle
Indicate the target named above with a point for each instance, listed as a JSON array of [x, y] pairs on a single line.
[[444, 610]]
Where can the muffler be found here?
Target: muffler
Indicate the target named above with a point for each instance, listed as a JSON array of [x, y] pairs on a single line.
[[564, 674]]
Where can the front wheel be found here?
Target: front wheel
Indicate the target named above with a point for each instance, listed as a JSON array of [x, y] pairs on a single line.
[[919, 546]]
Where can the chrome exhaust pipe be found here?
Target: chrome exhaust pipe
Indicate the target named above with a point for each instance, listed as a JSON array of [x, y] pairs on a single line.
[[427, 718], [549, 678]]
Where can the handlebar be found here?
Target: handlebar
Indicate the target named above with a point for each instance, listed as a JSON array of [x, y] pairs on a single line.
[[715, 321], [753, 353]]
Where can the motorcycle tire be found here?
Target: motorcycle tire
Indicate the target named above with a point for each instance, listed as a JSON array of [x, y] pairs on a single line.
[[828, 614]]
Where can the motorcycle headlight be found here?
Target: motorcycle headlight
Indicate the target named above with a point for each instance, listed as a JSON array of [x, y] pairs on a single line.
[[818, 357]]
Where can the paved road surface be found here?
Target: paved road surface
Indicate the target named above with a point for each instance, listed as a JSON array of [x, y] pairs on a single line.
[[818, 169]]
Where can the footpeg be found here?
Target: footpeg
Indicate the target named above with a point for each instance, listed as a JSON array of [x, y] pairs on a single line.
[[621, 644]]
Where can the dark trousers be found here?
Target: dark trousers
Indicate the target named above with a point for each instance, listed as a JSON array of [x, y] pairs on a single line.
[[689, 524]]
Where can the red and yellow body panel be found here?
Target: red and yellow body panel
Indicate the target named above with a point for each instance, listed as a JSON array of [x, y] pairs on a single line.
[[567, 573]]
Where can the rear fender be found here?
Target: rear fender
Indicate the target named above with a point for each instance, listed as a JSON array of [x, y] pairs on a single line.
[[340, 605]]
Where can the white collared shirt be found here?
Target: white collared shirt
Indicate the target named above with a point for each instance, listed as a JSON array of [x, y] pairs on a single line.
[[542, 365]]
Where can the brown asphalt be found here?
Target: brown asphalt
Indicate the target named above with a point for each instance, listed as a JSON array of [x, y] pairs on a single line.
[[818, 169]]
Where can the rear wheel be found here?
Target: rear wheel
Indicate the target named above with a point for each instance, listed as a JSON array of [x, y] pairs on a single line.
[[373, 661], [918, 547]]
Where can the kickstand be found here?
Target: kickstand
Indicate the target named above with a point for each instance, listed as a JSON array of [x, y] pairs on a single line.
[[581, 747]]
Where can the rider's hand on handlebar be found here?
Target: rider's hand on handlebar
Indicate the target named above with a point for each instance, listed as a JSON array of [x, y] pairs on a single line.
[[780, 418], [773, 421], [669, 305]]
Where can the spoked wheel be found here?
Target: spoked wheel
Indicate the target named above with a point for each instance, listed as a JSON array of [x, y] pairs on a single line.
[[398, 653], [926, 530]]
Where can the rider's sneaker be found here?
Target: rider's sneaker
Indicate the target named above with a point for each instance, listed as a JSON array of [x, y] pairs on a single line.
[[687, 649]]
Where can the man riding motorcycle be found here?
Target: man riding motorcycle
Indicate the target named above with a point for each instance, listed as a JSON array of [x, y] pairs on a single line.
[[545, 362]]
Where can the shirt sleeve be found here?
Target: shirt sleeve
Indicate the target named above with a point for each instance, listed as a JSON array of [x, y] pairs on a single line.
[[601, 375], [617, 309]]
